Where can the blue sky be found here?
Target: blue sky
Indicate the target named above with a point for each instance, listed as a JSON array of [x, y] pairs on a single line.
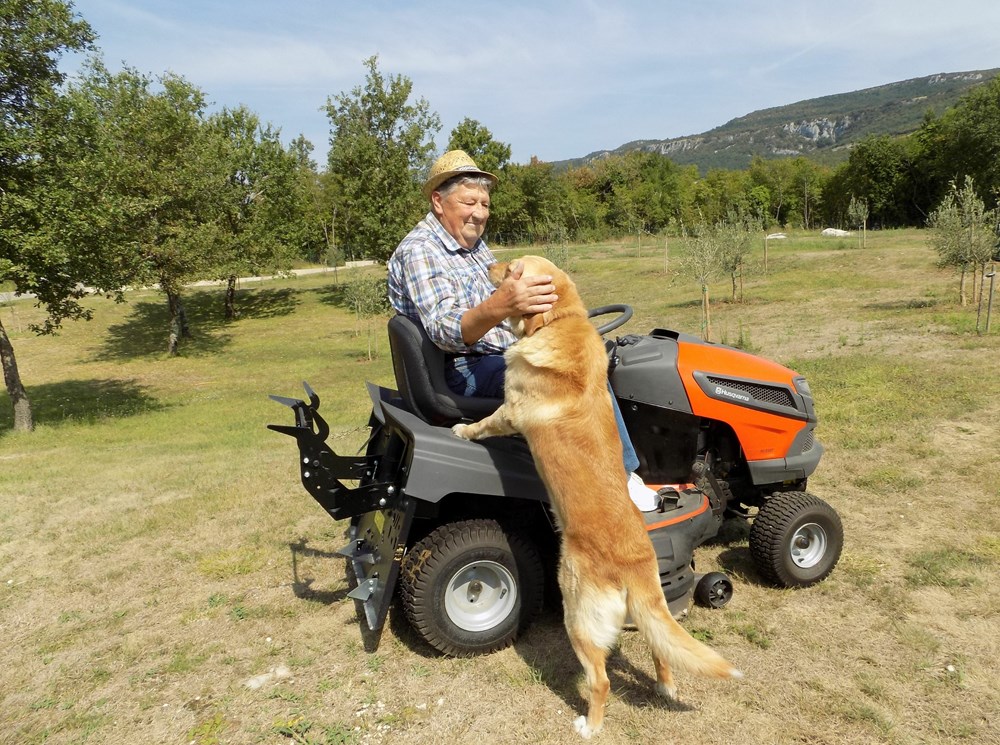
[[556, 79]]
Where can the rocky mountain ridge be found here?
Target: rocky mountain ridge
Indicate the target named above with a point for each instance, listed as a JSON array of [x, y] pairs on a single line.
[[820, 128]]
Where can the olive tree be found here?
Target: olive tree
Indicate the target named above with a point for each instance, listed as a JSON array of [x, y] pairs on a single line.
[[735, 235], [704, 263], [962, 233], [857, 215], [368, 297]]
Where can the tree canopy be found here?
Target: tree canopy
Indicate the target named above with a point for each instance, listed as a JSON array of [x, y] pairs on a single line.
[[381, 146], [34, 35]]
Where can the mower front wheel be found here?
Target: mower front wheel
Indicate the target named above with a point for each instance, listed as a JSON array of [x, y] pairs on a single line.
[[796, 539], [471, 587]]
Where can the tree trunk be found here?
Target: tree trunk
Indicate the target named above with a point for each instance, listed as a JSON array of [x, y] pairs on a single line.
[[179, 328], [962, 299], [231, 297], [24, 421], [706, 313], [979, 300]]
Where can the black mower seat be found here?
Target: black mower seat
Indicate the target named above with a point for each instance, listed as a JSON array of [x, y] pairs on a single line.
[[419, 367]]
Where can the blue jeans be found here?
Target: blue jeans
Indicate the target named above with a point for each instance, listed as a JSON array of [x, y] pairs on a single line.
[[484, 377]]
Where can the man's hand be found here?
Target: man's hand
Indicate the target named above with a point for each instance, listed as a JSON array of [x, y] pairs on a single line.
[[525, 295], [517, 295]]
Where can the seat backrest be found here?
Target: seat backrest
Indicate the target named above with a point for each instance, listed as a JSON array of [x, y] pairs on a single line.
[[418, 364]]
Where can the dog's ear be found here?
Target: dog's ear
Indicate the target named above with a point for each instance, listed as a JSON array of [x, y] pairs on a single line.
[[535, 321], [498, 272]]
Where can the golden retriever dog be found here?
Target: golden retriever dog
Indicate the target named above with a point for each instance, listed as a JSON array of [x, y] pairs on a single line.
[[556, 395]]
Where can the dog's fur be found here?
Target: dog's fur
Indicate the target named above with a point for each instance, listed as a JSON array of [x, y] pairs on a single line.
[[556, 395]]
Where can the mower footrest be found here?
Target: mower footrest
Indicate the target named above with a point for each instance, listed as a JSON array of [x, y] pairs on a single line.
[[365, 590], [359, 552]]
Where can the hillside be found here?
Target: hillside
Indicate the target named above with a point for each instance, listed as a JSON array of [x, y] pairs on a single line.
[[820, 128]]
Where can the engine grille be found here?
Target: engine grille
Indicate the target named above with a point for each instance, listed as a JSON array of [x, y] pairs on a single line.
[[764, 393]]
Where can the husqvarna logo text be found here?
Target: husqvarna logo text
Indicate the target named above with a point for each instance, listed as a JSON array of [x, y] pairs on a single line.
[[720, 391]]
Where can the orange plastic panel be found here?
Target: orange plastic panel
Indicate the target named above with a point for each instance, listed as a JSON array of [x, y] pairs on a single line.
[[762, 435]]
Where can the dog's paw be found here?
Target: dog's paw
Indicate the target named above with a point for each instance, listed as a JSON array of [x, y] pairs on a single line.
[[460, 430], [583, 729], [669, 692]]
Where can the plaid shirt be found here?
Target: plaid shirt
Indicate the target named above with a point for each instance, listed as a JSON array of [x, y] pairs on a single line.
[[434, 280]]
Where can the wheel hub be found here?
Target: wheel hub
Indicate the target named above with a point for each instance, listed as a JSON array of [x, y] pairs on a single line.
[[809, 544], [480, 595]]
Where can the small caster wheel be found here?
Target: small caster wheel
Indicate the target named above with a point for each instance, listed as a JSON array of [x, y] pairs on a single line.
[[714, 590]]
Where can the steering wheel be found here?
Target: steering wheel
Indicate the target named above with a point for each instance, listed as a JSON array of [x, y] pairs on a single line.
[[624, 314]]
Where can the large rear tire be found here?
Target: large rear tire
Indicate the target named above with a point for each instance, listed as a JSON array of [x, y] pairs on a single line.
[[796, 539], [471, 587]]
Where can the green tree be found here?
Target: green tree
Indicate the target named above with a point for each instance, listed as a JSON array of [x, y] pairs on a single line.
[[778, 178], [537, 202], [469, 135], [33, 36], [719, 192], [877, 171], [962, 233], [381, 146], [157, 171], [857, 216], [808, 179], [735, 235], [308, 235], [585, 212], [258, 206], [965, 141], [617, 180], [703, 263], [368, 297], [639, 193], [493, 156]]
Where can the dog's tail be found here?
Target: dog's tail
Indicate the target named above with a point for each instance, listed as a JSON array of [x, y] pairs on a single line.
[[668, 639]]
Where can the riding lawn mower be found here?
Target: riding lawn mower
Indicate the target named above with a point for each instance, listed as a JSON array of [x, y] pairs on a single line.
[[462, 530]]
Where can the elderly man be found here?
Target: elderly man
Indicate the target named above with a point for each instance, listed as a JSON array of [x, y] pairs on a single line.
[[438, 276]]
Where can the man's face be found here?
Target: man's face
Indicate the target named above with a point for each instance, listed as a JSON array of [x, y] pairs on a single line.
[[463, 213]]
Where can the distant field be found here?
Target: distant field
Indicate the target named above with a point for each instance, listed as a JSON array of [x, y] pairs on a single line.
[[157, 551]]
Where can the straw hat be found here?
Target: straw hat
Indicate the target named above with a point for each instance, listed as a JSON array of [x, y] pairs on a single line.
[[453, 163]]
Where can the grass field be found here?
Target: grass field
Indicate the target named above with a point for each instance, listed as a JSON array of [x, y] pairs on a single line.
[[164, 578]]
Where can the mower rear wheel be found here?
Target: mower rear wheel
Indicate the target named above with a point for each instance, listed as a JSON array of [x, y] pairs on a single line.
[[796, 539], [471, 587]]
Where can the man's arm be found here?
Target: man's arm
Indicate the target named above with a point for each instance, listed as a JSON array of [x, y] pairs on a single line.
[[516, 295]]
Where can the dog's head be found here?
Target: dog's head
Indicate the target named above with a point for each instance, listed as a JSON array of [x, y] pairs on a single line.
[[569, 302]]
